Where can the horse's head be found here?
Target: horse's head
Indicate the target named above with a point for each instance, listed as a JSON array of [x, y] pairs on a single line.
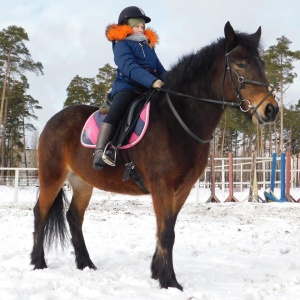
[[245, 78]]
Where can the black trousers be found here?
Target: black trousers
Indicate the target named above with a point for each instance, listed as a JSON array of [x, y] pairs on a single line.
[[120, 103]]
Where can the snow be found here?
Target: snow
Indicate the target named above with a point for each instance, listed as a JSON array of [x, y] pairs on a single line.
[[244, 250]]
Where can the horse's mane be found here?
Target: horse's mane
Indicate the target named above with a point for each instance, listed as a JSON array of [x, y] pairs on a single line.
[[198, 65]]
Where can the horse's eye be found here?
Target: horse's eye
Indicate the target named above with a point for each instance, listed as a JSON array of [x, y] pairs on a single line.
[[241, 66]]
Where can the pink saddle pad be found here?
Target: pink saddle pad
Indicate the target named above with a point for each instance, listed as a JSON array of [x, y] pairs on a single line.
[[92, 126]]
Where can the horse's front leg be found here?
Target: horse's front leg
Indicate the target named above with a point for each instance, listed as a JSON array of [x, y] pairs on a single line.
[[162, 261]]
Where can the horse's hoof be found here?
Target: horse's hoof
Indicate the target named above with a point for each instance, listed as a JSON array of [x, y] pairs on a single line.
[[89, 264], [177, 285], [40, 266], [92, 266], [172, 284]]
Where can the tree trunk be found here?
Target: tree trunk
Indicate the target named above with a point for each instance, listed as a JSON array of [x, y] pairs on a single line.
[[271, 140], [24, 144], [290, 139], [2, 136], [223, 142], [275, 139], [262, 140], [257, 141], [244, 145]]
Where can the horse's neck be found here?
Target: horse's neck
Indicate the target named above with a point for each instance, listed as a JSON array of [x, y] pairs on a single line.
[[205, 82], [201, 118]]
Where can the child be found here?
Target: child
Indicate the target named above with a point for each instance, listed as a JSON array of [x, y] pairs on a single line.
[[138, 70]]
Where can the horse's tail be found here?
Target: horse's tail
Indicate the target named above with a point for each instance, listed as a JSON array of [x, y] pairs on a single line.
[[55, 226]]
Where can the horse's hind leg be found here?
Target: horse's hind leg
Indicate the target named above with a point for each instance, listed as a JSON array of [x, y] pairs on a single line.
[[82, 193], [166, 206], [49, 221]]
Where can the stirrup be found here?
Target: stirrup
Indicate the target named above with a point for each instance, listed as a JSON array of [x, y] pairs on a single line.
[[108, 160]]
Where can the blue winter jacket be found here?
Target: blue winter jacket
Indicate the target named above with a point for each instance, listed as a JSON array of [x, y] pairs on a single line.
[[137, 62]]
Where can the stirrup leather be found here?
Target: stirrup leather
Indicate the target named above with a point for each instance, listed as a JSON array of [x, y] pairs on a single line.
[[108, 160]]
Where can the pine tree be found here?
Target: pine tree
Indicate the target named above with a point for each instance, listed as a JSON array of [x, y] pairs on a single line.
[[104, 81], [279, 69], [15, 60], [20, 110], [79, 91], [91, 91]]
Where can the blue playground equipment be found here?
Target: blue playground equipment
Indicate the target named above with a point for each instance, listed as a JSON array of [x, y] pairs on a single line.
[[270, 196]]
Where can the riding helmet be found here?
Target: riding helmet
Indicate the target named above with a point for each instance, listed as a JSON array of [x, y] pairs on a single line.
[[132, 12]]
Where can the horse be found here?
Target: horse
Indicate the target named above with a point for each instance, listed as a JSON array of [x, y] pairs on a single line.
[[171, 156]]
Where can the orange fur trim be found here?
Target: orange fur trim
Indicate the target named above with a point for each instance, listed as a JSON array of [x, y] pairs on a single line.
[[116, 32], [152, 37]]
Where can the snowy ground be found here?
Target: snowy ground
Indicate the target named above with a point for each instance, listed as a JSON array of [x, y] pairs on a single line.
[[223, 251]]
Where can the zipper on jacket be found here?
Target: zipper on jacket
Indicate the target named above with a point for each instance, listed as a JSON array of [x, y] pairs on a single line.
[[142, 49]]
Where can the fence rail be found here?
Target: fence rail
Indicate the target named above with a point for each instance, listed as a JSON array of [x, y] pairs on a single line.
[[17, 180], [242, 167]]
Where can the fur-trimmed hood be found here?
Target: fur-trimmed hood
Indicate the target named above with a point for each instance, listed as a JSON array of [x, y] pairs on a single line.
[[115, 32]]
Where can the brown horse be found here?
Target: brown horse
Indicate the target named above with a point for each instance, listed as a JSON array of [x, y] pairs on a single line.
[[171, 156]]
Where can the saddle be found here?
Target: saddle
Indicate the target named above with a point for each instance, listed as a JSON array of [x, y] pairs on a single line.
[[130, 131]]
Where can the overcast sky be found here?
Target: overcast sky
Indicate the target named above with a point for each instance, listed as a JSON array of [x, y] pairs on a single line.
[[68, 36]]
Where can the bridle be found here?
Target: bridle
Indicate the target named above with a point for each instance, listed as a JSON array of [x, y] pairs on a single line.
[[241, 81]]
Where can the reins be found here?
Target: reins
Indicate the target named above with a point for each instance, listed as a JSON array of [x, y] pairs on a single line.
[[241, 80], [200, 99], [184, 126]]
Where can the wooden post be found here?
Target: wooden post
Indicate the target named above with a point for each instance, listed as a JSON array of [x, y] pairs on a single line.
[[213, 197], [253, 193], [269, 196], [288, 196], [230, 198]]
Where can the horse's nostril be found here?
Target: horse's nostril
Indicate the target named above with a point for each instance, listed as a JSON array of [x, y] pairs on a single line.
[[271, 111]]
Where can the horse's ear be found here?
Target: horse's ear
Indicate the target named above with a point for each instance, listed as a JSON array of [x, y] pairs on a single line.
[[257, 35], [230, 36]]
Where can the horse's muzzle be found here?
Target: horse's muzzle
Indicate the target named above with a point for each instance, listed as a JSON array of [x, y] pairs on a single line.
[[271, 112], [268, 115]]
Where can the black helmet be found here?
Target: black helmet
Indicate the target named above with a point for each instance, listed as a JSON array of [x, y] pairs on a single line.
[[132, 12]]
